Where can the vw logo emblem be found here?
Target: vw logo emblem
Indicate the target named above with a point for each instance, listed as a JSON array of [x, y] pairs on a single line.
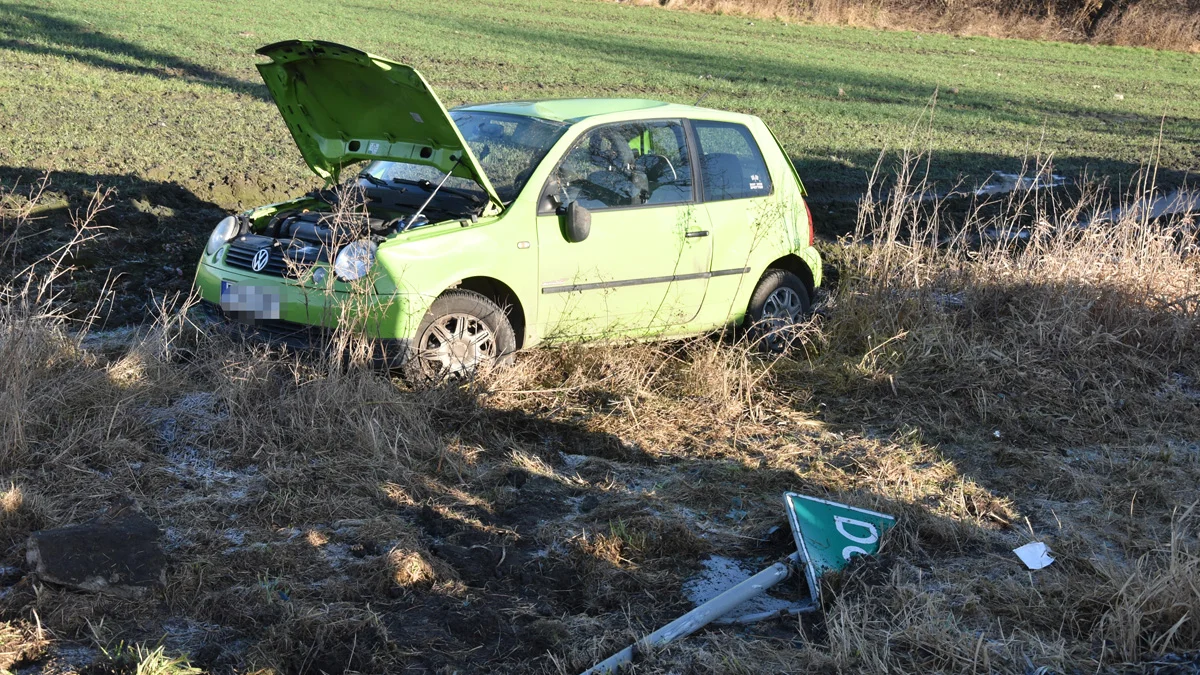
[[260, 260]]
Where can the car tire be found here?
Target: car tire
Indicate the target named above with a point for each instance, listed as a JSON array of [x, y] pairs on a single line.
[[462, 333], [779, 302]]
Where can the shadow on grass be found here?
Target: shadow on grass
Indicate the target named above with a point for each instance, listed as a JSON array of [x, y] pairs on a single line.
[[155, 232], [757, 67], [841, 174], [34, 31], [836, 186]]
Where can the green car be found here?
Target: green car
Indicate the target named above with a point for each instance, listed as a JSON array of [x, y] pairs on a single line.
[[492, 228]]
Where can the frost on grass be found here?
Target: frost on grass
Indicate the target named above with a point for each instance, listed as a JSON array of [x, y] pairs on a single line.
[[188, 418], [65, 658]]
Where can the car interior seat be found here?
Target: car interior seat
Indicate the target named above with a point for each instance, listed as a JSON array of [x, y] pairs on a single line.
[[616, 170], [668, 183], [658, 169]]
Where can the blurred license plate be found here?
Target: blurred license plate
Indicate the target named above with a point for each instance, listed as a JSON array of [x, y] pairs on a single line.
[[249, 302]]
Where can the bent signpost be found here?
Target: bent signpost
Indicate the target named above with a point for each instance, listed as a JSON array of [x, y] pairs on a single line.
[[827, 535]]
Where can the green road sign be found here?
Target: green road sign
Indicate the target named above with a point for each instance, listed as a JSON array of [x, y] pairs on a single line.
[[828, 533]]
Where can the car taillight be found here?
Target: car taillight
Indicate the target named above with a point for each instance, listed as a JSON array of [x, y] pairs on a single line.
[[812, 234]]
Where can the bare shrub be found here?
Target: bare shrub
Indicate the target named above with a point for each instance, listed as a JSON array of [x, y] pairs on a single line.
[[1033, 319], [1161, 24], [33, 330]]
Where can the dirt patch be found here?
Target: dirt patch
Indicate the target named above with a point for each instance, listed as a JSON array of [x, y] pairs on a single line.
[[153, 230]]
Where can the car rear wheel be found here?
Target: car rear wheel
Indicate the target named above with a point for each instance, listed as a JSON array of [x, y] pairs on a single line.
[[779, 303], [462, 333]]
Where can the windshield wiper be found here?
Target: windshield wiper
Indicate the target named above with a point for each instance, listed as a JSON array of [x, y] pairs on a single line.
[[433, 191], [469, 196], [428, 186], [374, 180]]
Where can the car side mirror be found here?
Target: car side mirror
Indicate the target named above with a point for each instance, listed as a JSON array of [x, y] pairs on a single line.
[[578, 222]]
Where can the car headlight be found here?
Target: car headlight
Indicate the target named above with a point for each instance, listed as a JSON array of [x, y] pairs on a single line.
[[225, 230], [354, 260]]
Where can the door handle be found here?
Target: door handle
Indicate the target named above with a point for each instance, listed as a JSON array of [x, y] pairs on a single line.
[[692, 234]]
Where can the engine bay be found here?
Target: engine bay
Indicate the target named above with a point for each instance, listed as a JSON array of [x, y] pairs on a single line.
[[302, 237], [314, 229]]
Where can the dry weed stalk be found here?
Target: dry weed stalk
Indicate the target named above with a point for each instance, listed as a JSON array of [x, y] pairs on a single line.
[[1050, 330], [33, 330], [1156, 604]]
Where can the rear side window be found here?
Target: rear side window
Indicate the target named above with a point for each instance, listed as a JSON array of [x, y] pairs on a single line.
[[730, 162]]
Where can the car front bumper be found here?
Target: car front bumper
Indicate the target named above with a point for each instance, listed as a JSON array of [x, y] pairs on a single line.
[[288, 302], [388, 352]]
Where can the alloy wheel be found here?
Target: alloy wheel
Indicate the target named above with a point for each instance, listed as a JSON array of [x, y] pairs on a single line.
[[780, 313], [455, 345]]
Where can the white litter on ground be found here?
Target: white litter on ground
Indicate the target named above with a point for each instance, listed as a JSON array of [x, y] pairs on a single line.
[[1035, 555]]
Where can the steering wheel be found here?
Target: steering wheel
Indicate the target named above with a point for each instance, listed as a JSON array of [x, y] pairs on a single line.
[[674, 176]]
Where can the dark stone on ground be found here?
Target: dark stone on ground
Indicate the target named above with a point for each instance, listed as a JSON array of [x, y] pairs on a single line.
[[117, 554]]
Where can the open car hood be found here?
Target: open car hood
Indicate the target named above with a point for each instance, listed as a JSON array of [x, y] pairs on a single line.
[[343, 105]]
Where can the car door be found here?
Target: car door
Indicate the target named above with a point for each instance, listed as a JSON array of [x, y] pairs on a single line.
[[644, 266], [736, 189]]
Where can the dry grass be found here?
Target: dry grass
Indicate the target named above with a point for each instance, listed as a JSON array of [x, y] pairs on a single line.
[[1161, 24], [1074, 348], [1009, 379]]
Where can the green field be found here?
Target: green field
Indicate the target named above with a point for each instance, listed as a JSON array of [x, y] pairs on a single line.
[[160, 100], [166, 90]]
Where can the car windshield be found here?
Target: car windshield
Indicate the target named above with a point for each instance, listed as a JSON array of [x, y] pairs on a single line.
[[508, 147]]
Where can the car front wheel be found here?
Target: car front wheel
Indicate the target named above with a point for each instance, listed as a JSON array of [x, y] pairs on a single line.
[[463, 333], [778, 304]]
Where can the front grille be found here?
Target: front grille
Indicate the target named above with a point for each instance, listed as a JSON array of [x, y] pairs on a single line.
[[242, 250]]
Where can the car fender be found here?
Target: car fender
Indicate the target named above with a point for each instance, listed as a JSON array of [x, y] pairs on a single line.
[[812, 259], [420, 270]]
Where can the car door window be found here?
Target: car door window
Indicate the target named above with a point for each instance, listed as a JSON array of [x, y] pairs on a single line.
[[623, 165], [731, 164]]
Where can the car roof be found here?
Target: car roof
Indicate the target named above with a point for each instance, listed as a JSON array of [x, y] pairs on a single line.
[[572, 110]]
